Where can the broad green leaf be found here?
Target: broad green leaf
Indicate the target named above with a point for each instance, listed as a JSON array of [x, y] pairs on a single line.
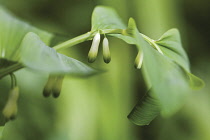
[[169, 81], [171, 46], [105, 18], [167, 75], [37, 56], [194, 82], [145, 111], [12, 31]]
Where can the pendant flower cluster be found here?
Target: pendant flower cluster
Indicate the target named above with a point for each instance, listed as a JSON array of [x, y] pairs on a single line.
[[92, 55], [53, 86], [93, 52]]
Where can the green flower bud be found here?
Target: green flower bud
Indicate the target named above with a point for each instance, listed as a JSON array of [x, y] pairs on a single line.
[[94, 48], [49, 85], [10, 109], [106, 51], [57, 86], [139, 60]]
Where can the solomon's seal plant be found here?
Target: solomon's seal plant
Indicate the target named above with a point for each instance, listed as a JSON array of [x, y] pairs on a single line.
[[163, 62]]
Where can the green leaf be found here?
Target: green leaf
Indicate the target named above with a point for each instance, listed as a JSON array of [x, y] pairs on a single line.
[[12, 31], [168, 80], [194, 81], [167, 74], [37, 56], [171, 46], [105, 18], [145, 111]]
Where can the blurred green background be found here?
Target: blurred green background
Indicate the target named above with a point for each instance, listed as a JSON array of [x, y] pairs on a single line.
[[96, 108]]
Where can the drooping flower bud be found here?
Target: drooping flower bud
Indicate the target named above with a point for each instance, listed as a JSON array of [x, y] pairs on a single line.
[[57, 86], [10, 109], [94, 48], [139, 60], [106, 51], [49, 86]]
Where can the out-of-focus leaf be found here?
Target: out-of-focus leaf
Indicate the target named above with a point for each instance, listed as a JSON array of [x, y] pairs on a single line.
[[145, 110], [12, 31], [37, 56], [1, 131], [106, 18], [194, 81]]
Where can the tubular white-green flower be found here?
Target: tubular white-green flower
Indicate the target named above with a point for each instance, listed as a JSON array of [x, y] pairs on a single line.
[[56, 90], [94, 48], [139, 60], [106, 51], [49, 85], [10, 109]]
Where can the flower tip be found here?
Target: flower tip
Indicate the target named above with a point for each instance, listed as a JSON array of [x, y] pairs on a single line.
[[92, 57], [107, 60], [56, 94], [94, 48], [57, 87], [139, 60], [106, 51], [46, 92], [48, 86]]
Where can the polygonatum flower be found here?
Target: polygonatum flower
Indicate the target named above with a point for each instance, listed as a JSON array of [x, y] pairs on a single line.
[[139, 60], [94, 48], [106, 51]]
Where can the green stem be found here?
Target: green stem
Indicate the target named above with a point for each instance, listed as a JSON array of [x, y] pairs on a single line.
[[152, 42], [10, 69], [64, 45], [84, 37], [74, 41]]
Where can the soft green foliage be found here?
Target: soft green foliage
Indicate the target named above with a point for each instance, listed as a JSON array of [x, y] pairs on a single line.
[[37, 56], [12, 31], [33, 52], [169, 81], [1, 130], [165, 65], [165, 77], [167, 73], [171, 46], [105, 18], [146, 110]]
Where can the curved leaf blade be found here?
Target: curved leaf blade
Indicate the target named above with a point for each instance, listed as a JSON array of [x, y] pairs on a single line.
[[169, 83], [104, 17], [37, 56], [12, 31], [171, 46], [145, 111]]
